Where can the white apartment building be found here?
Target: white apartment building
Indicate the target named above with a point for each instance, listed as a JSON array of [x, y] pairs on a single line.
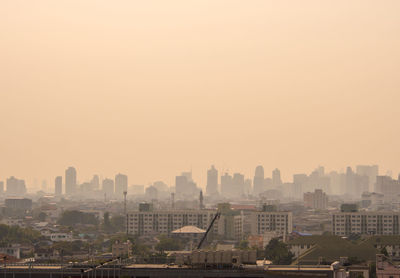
[[166, 221], [373, 223], [267, 221]]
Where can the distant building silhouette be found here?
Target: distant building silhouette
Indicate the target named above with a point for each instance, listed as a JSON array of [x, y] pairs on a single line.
[[70, 181], [237, 185], [15, 186], [151, 193], [185, 187], [121, 185], [276, 178], [95, 182], [226, 185], [1, 187], [58, 186], [108, 187], [212, 181], [371, 171], [258, 181]]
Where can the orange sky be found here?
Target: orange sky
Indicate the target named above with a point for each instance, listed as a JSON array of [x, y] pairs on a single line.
[[153, 88]]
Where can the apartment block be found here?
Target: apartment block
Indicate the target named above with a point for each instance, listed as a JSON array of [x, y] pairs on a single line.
[[267, 221], [164, 222], [372, 223]]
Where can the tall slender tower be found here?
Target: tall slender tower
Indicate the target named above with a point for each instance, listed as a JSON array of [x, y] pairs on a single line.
[[212, 181], [58, 186], [70, 181], [258, 182]]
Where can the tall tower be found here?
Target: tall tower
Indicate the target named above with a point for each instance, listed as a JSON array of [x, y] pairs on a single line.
[[276, 178], [258, 182], [58, 186], [212, 181], [70, 181], [121, 185]]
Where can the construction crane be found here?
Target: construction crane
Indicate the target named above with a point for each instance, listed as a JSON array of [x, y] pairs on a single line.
[[217, 215]]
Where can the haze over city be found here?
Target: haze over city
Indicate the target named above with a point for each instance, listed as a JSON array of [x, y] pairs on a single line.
[[181, 138], [154, 88]]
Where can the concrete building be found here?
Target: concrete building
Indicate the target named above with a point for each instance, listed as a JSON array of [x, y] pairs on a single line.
[[363, 222], [189, 232], [267, 221], [258, 181], [108, 187], [389, 187], [122, 249], [70, 181], [121, 185], [212, 181], [164, 222], [316, 200], [58, 186], [15, 186], [18, 203], [230, 225]]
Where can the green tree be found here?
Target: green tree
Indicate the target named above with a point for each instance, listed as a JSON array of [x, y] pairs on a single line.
[[168, 244], [72, 217], [277, 252], [244, 244]]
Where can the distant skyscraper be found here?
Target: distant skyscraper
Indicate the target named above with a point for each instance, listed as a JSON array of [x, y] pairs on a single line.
[[276, 178], [95, 182], [121, 185], [1, 187], [185, 187], [15, 186], [70, 181], [258, 182], [371, 171], [58, 186], [237, 185], [226, 185], [108, 187], [212, 181]]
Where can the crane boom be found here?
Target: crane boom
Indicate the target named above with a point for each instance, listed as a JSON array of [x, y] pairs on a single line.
[[217, 215]]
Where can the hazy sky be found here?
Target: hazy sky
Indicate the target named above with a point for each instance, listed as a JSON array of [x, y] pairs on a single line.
[[153, 88]]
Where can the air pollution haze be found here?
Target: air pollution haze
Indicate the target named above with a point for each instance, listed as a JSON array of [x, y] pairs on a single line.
[[154, 88]]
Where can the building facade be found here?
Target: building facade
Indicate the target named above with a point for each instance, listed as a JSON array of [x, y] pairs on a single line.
[[372, 223]]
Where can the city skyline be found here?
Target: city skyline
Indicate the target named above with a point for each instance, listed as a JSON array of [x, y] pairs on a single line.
[[73, 183], [154, 88]]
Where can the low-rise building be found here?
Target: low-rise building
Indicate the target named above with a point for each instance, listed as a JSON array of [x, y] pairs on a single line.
[[122, 249], [190, 233]]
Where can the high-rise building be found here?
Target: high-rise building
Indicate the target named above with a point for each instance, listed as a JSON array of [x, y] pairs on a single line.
[[276, 178], [212, 181], [185, 187], [70, 181], [1, 187], [15, 186], [121, 185], [226, 185], [316, 200], [108, 187], [371, 171], [258, 182], [58, 186], [237, 185], [95, 182]]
